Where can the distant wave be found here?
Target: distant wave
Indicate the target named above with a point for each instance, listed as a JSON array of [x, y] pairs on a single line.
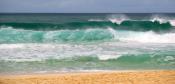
[[125, 25]]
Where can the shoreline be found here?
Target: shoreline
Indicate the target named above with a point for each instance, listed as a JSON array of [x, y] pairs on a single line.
[[101, 77], [77, 72]]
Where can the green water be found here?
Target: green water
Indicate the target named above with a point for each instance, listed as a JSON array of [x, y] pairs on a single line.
[[81, 42]]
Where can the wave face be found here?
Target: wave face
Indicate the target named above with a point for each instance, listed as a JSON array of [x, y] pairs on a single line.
[[10, 35], [42, 43]]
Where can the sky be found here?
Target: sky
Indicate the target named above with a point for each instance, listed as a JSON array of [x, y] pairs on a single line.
[[87, 6]]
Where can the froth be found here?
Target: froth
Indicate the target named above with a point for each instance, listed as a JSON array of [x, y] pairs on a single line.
[[117, 18], [149, 37], [163, 19], [108, 57], [98, 20], [172, 22]]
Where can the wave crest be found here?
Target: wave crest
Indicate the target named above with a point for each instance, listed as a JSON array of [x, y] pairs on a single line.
[[163, 19]]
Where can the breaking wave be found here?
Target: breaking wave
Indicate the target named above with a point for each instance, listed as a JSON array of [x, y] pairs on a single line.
[[10, 35]]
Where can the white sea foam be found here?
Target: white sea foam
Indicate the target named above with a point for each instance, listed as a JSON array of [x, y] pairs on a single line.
[[117, 18], [97, 20], [142, 37], [39, 52], [163, 19], [148, 37], [12, 46], [169, 58], [172, 22], [108, 57], [104, 51]]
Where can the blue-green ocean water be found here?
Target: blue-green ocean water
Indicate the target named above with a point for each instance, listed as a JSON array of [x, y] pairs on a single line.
[[82, 42]]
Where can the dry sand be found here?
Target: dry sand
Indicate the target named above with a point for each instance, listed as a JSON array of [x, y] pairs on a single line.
[[126, 77]]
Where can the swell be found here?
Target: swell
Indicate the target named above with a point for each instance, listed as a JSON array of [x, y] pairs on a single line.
[[49, 26], [124, 25]]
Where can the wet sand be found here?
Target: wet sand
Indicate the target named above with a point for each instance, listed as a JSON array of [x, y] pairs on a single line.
[[109, 77]]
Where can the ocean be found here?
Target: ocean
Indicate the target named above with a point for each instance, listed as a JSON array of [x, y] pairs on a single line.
[[71, 42]]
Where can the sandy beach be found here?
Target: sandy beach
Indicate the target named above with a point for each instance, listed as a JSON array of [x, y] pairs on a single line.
[[111, 77]]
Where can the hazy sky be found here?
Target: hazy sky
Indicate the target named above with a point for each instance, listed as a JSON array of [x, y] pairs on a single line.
[[82, 6]]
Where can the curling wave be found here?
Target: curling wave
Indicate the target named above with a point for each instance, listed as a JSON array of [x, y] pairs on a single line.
[[10, 35]]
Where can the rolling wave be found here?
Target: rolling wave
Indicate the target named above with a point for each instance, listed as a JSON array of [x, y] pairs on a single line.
[[10, 35]]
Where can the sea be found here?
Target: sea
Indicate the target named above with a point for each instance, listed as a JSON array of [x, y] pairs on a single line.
[[75, 42]]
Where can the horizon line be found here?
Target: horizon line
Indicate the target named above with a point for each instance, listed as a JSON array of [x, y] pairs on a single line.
[[77, 12]]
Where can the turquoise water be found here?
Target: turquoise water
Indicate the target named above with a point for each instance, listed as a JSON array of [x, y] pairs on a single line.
[[82, 42]]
